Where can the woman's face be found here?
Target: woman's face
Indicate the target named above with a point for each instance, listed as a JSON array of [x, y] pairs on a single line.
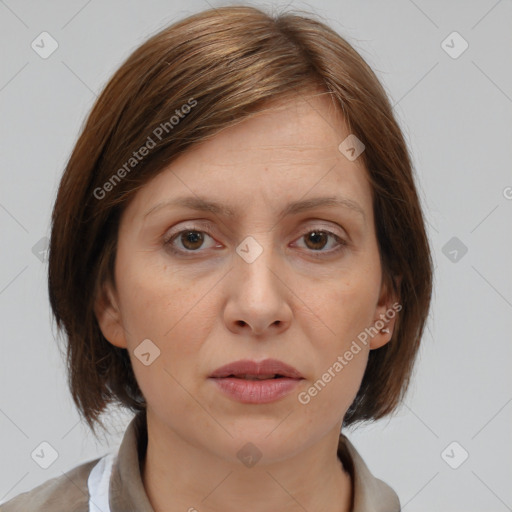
[[267, 281]]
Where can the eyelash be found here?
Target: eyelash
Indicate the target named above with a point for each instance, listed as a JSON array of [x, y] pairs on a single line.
[[201, 229]]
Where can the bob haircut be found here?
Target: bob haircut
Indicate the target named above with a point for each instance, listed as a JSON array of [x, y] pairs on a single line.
[[184, 84]]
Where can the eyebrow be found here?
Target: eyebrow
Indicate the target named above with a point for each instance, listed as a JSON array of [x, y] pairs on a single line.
[[293, 208]]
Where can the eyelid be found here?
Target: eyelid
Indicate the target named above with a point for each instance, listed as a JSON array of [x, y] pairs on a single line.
[[209, 226], [196, 225]]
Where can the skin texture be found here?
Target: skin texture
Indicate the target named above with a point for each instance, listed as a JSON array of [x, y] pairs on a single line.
[[299, 301]]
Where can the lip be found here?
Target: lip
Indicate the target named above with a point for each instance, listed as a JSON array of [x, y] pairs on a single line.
[[265, 367], [228, 379]]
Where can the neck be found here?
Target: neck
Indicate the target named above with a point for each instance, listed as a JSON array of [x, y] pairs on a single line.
[[179, 476]]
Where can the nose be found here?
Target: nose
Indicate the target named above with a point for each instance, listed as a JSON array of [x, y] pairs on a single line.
[[258, 296]]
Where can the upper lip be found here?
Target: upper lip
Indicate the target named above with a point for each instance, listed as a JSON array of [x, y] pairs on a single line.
[[265, 367]]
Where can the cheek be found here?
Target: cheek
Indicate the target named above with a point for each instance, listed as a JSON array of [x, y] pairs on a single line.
[[154, 300], [167, 309], [348, 309], [334, 389], [157, 305], [343, 310], [340, 309]]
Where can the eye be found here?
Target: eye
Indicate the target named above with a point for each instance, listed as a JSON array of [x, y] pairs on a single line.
[[317, 239], [187, 240], [193, 238]]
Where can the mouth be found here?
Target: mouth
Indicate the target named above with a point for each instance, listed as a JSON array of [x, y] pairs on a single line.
[[251, 382], [252, 370], [254, 377]]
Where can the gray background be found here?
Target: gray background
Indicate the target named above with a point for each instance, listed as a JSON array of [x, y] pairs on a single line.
[[456, 115]]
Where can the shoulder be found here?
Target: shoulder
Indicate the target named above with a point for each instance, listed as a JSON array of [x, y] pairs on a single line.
[[370, 494], [65, 493]]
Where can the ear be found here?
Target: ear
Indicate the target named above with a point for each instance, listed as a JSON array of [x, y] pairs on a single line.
[[386, 312], [108, 314]]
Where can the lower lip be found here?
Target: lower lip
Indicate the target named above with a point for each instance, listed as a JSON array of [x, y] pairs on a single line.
[[256, 391]]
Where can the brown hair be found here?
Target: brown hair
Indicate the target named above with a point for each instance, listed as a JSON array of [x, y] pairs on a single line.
[[229, 62]]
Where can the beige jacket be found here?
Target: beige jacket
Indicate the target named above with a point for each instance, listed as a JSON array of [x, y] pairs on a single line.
[[113, 483]]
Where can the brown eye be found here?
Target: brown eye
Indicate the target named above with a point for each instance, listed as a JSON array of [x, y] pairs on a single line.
[[316, 240], [192, 240], [189, 240]]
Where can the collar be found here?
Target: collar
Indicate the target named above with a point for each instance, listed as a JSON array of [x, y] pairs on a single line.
[[127, 491]]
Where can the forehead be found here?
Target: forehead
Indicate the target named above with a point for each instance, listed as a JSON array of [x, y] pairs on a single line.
[[288, 151]]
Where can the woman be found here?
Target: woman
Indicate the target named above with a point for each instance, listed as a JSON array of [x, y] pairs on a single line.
[[238, 255]]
